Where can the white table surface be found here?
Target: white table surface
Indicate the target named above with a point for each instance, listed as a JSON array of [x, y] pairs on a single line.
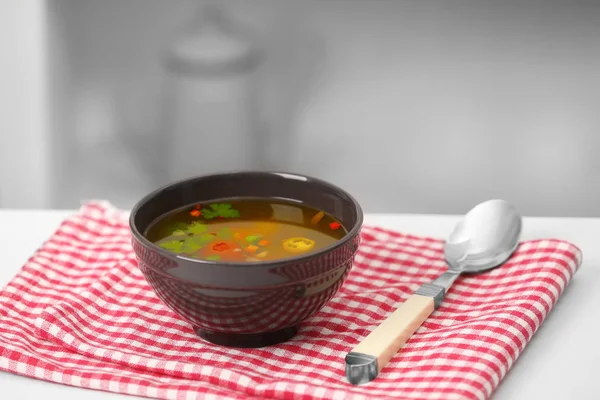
[[562, 360]]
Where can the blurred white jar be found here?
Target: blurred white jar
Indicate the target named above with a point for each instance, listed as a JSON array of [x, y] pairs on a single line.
[[210, 117]]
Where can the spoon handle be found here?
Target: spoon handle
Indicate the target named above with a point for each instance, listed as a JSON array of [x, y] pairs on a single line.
[[375, 351]]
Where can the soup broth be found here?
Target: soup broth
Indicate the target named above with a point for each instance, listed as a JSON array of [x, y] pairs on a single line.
[[248, 230]]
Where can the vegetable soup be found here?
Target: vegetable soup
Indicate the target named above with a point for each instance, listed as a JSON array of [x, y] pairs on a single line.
[[245, 229]]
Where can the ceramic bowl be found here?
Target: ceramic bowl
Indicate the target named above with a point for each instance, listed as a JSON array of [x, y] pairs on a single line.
[[247, 304]]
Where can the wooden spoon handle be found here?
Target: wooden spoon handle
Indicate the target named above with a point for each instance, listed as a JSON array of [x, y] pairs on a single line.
[[376, 350]]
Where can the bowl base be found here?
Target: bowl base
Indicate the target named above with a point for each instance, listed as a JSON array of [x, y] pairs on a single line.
[[248, 340]]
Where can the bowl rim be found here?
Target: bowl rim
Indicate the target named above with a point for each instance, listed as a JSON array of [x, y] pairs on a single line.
[[355, 230]]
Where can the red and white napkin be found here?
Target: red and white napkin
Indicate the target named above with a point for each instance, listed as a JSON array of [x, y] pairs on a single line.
[[80, 313]]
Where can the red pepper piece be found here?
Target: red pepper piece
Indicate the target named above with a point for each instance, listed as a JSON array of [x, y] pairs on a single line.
[[195, 213], [221, 246], [335, 225]]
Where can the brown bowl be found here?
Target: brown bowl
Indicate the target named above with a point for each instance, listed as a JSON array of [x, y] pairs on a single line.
[[250, 304]]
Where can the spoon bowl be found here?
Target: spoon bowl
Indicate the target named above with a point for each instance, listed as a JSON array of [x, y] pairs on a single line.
[[485, 238]]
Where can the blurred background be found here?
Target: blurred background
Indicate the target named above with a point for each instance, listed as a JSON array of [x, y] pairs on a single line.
[[413, 106]]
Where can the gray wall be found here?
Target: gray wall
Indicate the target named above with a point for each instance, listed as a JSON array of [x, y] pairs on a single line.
[[414, 106]]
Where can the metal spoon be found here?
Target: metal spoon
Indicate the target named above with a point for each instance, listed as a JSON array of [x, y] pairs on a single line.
[[485, 238]]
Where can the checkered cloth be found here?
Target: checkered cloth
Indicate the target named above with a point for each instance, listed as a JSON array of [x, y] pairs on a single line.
[[80, 313]]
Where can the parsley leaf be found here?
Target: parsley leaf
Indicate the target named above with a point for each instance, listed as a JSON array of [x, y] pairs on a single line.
[[197, 228], [253, 238], [204, 239], [178, 226], [213, 258], [173, 245], [190, 246], [220, 210], [209, 214]]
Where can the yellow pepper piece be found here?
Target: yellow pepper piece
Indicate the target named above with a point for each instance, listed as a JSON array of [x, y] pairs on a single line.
[[298, 244], [262, 255]]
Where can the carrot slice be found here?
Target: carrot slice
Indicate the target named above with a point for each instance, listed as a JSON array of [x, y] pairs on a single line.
[[318, 216], [263, 243], [252, 248]]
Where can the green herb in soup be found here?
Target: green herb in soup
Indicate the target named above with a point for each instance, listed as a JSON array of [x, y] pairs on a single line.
[[245, 230]]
